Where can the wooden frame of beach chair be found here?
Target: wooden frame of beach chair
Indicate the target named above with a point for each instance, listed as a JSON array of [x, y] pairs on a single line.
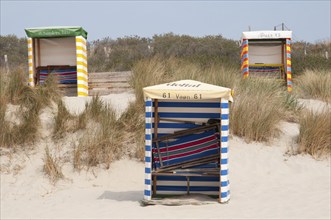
[[169, 179]]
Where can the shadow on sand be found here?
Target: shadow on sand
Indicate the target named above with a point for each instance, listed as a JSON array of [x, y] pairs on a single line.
[[132, 196]]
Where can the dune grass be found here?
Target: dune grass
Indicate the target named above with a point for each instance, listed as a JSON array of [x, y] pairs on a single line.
[[257, 110], [132, 122], [315, 133], [103, 137], [64, 121], [15, 90], [52, 167], [315, 84]]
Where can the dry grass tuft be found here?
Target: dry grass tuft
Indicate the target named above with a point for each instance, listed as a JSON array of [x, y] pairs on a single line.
[[51, 167], [101, 144], [315, 133], [146, 73], [49, 91], [27, 131], [64, 121], [315, 84], [14, 89], [292, 107], [132, 121], [257, 110]]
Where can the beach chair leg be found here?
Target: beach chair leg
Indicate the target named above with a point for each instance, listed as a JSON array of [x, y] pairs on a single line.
[[154, 185], [188, 185]]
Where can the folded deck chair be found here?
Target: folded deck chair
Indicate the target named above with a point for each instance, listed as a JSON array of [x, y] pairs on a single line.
[[65, 75], [186, 149]]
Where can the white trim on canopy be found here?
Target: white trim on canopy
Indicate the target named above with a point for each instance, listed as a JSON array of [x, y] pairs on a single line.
[[267, 35]]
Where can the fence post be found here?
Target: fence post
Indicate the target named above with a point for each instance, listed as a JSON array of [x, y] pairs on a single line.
[[6, 63]]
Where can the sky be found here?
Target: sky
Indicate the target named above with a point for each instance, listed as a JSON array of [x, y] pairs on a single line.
[[309, 20]]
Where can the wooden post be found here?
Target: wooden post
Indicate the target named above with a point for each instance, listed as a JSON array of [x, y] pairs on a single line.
[[188, 185], [34, 65], [156, 124], [38, 48], [283, 60], [154, 185], [6, 63]]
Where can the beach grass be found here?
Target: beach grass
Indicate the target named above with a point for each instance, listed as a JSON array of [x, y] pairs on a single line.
[[15, 90], [52, 167], [315, 133], [315, 84], [102, 139]]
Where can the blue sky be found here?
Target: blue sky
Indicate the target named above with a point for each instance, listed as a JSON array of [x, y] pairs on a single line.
[[309, 20]]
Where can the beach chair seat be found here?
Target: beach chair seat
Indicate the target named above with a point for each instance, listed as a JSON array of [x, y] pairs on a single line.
[[186, 148]]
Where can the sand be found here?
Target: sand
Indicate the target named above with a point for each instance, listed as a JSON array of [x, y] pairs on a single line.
[[119, 102], [315, 105], [267, 182]]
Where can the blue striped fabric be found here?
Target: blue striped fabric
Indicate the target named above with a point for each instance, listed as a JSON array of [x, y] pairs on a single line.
[[244, 42], [264, 68], [225, 190], [184, 188], [189, 104], [148, 151], [177, 185], [188, 115], [176, 125], [244, 57], [192, 178], [195, 111]]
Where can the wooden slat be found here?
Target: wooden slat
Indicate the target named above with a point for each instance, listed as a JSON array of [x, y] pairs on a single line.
[[105, 83], [186, 132], [108, 80], [190, 163], [108, 85], [67, 85], [184, 174]]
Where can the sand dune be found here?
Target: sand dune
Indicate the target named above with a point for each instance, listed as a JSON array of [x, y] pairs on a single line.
[[267, 181]]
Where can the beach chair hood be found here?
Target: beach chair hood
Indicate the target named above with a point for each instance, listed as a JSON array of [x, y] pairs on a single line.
[[187, 90]]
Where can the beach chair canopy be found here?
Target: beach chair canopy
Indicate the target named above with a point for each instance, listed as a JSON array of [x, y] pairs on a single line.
[[187, 90], [266, 35], [65, 31]]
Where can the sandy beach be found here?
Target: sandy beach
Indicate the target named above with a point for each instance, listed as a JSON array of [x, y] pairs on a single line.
[[267, 182]]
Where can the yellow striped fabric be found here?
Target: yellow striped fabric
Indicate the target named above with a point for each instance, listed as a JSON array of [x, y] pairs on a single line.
[[289, 66], [30, 62], [80, 48], [83, 41], [82, 73], [81, 56], [243, 51]]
